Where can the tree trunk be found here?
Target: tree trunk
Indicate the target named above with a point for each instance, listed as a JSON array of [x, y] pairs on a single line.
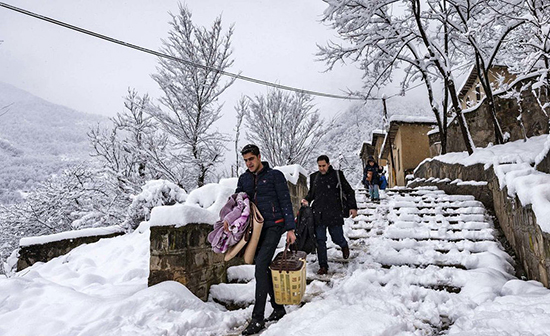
[[483, 75], [460, 116]]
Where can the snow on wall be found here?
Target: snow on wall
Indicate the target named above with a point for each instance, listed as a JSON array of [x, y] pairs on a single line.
[[292, 172], [513, 164], [90, 232], [203, 204]]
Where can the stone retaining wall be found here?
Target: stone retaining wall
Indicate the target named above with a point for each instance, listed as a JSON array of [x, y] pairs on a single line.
[[184, 255], [28, 255], [518, 222]]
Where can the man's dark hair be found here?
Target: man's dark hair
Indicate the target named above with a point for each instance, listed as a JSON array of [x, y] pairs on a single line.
[[250, 148], [323, 158]]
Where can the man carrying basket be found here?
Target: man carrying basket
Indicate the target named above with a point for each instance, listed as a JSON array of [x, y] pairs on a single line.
[[268, 189]]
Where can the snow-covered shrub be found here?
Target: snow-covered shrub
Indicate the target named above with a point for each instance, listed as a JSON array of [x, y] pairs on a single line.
[[153, 193]]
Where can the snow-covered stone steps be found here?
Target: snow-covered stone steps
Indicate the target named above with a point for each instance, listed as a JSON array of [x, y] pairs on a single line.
[[455, 240], [423, 266], [236, 294], [435, 287], [240, 274], [233, 296], [433, 225], [441, 244]]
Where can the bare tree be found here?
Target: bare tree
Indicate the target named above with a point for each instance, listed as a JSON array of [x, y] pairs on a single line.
[[285, 126], [191, 92], [527, 49], [383, 41], [241, 109], [128, 149], [481, 30]]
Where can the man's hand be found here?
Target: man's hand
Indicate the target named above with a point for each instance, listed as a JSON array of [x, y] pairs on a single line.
[[353, 213], [225, 226], [290, 237], [304, 202]]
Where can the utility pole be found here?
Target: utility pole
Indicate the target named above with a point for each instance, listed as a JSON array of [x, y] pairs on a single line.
[[387, 126]]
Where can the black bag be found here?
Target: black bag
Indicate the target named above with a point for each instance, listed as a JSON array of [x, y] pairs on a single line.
[[343, 197], [305, 230]]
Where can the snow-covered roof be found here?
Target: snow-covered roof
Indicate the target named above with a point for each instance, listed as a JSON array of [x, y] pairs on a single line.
[[396, 121], [89, 232], [472, 77], [412, 119]]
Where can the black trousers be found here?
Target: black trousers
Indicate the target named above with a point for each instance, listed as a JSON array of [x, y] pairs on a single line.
[[269, 239]]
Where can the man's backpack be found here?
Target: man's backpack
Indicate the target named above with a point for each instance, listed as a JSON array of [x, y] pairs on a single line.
[[305, 230]]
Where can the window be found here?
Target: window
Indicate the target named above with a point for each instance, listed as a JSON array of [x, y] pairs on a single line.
[[478, 93]]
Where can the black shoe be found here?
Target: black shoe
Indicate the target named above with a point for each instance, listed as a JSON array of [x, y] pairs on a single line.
[[254, 327], [276, 315], [322, 271], [345, 252]]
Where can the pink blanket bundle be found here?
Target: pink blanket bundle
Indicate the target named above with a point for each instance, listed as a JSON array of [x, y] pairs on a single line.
[[235, 212]]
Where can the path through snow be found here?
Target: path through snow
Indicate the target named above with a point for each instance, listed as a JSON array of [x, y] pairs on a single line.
[[423, 263]]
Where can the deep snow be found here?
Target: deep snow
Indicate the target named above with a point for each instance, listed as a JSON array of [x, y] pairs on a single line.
[[101, 288]]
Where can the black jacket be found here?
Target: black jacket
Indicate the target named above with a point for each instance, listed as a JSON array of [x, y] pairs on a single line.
[[324, 191], [269, 191], [305, 230], [376, 170]]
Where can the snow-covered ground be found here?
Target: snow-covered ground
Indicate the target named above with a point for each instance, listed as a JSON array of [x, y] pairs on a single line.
[[422, 263]]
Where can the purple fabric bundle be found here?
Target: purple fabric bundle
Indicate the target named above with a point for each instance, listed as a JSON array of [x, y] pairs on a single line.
[[235, 212]]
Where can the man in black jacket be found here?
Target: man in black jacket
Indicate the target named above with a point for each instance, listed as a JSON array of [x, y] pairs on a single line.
[[331, 195], [267, 188]]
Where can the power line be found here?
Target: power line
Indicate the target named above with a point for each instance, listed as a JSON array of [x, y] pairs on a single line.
[[158, 54]]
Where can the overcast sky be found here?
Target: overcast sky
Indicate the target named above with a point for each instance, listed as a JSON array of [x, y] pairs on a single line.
[[274, 40]]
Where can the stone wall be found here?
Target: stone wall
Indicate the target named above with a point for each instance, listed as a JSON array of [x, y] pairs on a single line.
[[297, 192], [518, 222], [28, 255], [535, 121], [184, 254]]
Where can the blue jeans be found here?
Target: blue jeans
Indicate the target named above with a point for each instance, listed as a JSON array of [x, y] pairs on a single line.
[[337, 235], [373, 191]]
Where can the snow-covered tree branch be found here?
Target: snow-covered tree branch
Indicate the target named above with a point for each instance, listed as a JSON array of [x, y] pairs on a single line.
[[285, 126], [191, 92]]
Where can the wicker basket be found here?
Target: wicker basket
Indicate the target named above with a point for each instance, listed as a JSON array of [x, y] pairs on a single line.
[[288, 271]]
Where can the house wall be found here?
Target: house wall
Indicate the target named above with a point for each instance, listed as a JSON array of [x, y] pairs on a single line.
[[378, 149], [412, 146], [471, 97], [535, 121]]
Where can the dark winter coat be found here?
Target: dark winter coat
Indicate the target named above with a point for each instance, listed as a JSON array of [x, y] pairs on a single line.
[[324, 191], [305, 230], [376, 171], [269, 191]]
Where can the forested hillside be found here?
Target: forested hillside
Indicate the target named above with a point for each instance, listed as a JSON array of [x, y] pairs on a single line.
[[37, 139]]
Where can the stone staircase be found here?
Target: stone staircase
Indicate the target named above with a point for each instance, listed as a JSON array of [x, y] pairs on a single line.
[[415, 239]]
